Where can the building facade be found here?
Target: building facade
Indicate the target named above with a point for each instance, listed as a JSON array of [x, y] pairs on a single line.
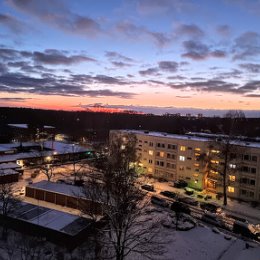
[[196, 159]]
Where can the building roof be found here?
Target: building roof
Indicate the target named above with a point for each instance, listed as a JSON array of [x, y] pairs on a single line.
[[23, 126], [201, 137], [58, 148], [165, 135], [50, 218]]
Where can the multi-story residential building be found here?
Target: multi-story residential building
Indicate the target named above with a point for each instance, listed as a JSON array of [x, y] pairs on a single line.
[[174, 157]]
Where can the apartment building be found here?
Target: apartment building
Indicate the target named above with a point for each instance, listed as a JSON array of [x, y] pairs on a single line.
[[175, 157]]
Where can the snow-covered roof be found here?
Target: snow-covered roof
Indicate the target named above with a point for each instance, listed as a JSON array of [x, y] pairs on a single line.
[[202, 138], [165, 135], [7, 172], [9, 166], [66, 189], [58, 148], [24, 126], [48, 127], [50, 218]]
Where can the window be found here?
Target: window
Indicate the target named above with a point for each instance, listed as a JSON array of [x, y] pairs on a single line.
[[150, 161], [197, 149], [160, 163], [189, 158], [253, 170], [251, 194], [171, 165], [232, 166], [182, 158], [215, 151], [195, 175], [150, 169], [170, 156], [160, 145], [172, 146], [254, 158], [196, 164], [140, 141], [232, 177], [150, 152], [188, 168], [189, 148], [246, 157], [160, 154], [182, 148], [214, 161], [231, 189], [252, 182], [151, 144], [181, 168]]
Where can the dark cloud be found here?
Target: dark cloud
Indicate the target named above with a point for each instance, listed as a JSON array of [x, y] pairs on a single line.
[[235, 73], [55, 57], [14, 99], [190, 30], [196, 50], [250, 67], [183, 96], [112, 55], [253, 95], [149, 72], [223, 30], [246, 46], [135, 32], [148, 7], [169, 66], [3, 68], [55, 13], [12, 23], [51, 85], [121, 64]]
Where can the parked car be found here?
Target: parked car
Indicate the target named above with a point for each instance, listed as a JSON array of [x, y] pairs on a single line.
[[148, 187], [189, 191], [180, 184], [169, 194], [213, 219], [162, 180], [189, 201], [236, 218], [211, 207], [247, 230], [180, 207], [159, 201]]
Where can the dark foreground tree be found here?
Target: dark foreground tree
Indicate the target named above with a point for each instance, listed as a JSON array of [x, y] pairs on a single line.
[[223, 157], [128, 231]]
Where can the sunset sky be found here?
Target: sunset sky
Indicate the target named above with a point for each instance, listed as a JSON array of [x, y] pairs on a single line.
[[153, 56]]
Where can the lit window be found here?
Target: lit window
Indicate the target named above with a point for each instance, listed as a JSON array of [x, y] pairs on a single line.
[[122, 147], [214, 161], [182, 158], [150, 169], [183, 148], [215, 151], [232, 166], [196, 164], [197, 149], [195, 175], [232, 177], [231, 189], [150, 152], [214, 172]]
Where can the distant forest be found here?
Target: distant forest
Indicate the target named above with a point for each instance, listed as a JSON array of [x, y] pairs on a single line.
[[95, 125]]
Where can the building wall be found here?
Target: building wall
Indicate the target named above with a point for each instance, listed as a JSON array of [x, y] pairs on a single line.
[[176, 157]]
